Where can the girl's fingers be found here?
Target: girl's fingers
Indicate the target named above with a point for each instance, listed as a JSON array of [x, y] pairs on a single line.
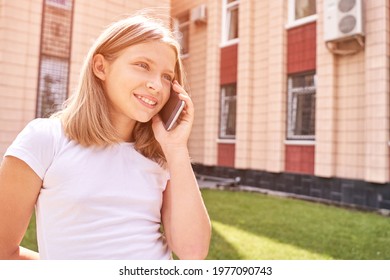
[[183, 95], [178, 88]]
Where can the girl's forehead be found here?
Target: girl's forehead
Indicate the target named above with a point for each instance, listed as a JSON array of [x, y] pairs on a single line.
[[155, 51]]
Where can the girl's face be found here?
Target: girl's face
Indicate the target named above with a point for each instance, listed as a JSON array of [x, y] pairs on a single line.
[[137, 83]]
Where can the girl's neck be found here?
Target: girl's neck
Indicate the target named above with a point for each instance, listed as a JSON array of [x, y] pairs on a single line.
[[125, 130]]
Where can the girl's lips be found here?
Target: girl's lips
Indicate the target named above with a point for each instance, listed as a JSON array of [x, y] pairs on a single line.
[[147, 101]]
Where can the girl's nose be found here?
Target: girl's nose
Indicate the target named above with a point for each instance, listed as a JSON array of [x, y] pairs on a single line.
[[154, 85]]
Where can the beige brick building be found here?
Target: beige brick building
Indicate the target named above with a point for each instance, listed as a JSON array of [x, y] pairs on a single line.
[[311, 111], [288, 97]]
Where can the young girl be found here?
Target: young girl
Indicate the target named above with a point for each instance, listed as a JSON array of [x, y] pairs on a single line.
[[106, 179]]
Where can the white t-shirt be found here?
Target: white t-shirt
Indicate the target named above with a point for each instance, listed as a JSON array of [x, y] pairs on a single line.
[[95, 203]]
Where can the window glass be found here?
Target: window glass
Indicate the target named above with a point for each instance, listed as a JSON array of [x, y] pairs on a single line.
[[228, 112], [233, 24], [304, 8], [301, 107], [53, 85]]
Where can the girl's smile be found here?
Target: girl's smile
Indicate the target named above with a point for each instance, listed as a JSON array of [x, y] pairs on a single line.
[[148, 101]]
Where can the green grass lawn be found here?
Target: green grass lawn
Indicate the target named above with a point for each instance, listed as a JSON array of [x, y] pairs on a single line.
[[255, 226], [30, 238]]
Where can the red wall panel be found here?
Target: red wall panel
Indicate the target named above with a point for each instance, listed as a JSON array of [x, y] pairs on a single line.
[[226, 153], [301, 48], [300, 159], [228, 67]]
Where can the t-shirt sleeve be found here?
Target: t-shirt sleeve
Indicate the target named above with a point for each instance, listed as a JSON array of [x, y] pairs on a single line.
[[167, 177], [35, 145]]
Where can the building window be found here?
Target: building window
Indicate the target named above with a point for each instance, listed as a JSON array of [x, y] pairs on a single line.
[[227, 127], [301, 106], [230, 21], [301, 11], [181, 26], [54, 56]]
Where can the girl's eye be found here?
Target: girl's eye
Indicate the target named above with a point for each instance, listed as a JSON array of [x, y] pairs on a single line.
[[167, 77], [143, 65]]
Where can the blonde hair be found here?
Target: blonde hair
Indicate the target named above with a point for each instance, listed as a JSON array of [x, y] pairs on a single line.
[[86, 116]]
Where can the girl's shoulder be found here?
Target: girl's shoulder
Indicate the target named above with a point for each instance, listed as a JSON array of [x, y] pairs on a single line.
[[44, 124], [43, 129], [37, 143]]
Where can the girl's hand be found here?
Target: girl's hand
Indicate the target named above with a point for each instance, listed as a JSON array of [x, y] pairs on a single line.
[[177, 137]]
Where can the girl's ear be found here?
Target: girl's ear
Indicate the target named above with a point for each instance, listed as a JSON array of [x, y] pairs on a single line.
[[99, 66]]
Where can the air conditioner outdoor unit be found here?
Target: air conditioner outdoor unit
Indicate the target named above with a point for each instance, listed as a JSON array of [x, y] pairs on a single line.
[[198, 14], [343, 19]]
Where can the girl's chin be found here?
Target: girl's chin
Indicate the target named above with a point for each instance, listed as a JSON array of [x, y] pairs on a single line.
[[144, 119]]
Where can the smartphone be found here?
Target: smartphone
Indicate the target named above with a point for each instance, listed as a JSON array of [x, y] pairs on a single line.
[[171, 110]]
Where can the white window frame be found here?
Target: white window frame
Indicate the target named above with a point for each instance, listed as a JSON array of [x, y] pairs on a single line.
[[292, 106], [224, 111], [292, 22], [177, 27], [226, 16]]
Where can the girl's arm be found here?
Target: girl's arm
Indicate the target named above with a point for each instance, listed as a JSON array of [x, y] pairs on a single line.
[[184, 215], [185, 219], [19, 189]]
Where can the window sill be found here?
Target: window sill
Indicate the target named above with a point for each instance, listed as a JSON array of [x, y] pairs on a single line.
[[301, 21], [300, 142], [226, 141], [229, 43]]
